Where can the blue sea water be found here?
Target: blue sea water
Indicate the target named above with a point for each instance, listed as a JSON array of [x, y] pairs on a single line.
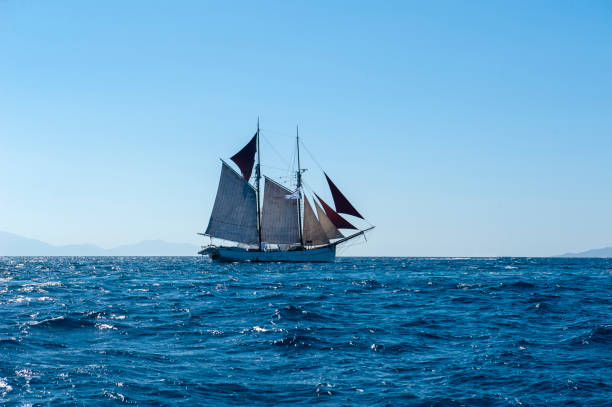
[[361, 331]]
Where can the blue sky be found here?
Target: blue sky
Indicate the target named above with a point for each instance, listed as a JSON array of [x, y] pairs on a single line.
[[458, 128]]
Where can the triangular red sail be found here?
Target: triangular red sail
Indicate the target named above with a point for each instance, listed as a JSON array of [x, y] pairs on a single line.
[[342, 204], [245, 158], [336, 219]]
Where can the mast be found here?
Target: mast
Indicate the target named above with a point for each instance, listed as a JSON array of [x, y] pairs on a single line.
[[257, 179], [299, 184]]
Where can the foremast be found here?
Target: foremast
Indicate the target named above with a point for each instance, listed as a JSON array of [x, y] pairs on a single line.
[[257, 182]]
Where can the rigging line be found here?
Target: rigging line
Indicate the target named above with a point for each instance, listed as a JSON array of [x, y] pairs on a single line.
[[273, 168], [289, 168], [321, 168], [312, 156], [312, 193], [358, 241], [292, 166], [274, 148], [343, 247], [310, 189], [305, 184], [291, 173]]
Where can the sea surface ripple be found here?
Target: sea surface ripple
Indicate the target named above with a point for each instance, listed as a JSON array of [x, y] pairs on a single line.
[[361, 331]]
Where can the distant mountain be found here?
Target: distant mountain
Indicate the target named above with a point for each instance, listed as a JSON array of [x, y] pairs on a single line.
[[15, 245], [605, 252]]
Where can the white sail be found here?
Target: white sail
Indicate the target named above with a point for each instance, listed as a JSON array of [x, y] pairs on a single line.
[[313, 231], [234, 214], [330, 230], [279, 218]]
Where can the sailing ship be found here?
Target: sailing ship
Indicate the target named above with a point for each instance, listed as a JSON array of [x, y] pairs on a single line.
[[284, 228]]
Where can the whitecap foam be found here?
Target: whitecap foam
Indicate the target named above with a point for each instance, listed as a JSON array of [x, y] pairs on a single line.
[[49, 284], [4, 386], [28, 289], [25, 373], [19, 299], [114, 396], [34, 323], [105, 326], [259, 329], [22, 298]]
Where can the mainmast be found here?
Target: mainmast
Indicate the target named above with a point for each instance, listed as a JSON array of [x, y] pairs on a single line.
[[299, 184], [257, 179]]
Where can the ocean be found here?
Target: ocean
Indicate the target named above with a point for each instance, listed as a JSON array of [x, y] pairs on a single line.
[[361, 331]]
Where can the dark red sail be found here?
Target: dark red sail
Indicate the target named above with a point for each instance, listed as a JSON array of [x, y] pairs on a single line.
[[245, 158], [336, 219], [342, 204]]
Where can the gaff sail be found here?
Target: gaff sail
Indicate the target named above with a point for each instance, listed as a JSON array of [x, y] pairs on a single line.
[[234, 214], [279, 218]]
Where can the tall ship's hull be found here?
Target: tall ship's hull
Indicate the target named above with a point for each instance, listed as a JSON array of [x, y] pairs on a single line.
[[236, 254], [281, 227]]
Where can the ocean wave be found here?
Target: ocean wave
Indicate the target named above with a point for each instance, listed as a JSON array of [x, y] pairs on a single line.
[[600, 335], [62, 322], [368, 284], [293, 313], [104, 326], [419, 321], [357, 332], [9, 341], [24, 299], [297, 341], [521, 284]]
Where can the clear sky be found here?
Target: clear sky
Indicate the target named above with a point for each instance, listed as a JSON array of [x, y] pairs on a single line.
[[458, 128]]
